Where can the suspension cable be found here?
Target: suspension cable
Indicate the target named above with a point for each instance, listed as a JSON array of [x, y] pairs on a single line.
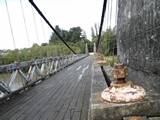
[[107, 80], [111, 48], [35, 25], [110, 14], [108, 25], [10, 24], [116, 12], [109, 30], [43, 31], [25, 25], [101, 24], [115, 46], [45, 19]]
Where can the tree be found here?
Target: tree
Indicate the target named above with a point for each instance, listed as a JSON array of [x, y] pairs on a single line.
[[54, 37], [75, 34], [35, 45], [84, 36], [65, 35], [109, 42], [44, 44]]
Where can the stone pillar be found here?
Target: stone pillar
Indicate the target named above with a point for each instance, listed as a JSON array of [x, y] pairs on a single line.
[[94, 48], [138, 40]]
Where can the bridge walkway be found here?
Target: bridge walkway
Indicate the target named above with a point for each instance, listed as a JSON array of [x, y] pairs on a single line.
[[64, 96]]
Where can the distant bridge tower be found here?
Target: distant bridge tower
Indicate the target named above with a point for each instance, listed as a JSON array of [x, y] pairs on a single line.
[[86, 49], [94, 48]]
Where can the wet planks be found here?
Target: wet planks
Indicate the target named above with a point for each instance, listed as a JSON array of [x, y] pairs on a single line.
[[64, 96]]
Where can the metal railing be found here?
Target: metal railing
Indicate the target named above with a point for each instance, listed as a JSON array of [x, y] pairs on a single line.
[[26, 74]]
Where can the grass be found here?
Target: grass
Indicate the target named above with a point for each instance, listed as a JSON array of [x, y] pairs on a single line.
[[111, 60]]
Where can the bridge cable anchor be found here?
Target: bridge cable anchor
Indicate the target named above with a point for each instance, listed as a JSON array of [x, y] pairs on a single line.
[[122, 91]]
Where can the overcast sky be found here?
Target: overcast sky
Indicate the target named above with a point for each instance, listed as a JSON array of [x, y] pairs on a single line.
[[65, 13]]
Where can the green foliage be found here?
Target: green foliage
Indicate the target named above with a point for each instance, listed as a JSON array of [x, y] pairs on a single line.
[[108, 41], [90, 45], [108, 44], [111, 60], [75, 34], [54, 37], [75, 38], [94, 32], [37, 51]]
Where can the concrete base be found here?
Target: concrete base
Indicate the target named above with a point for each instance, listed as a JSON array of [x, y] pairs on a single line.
[[135, 118], [101, 110]]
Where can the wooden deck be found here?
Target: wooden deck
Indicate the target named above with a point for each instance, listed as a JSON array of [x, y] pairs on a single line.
[[64, 96]]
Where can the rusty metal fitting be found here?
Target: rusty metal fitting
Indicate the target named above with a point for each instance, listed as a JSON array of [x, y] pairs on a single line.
[[120, 72], [122, 91]]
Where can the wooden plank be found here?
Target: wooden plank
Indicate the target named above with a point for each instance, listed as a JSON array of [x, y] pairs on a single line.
[[70, 93], [46, 93], [60, 97], [76, 116], [86, 101]]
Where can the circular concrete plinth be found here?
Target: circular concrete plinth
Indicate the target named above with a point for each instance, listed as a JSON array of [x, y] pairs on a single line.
[[121, 93], [101, 62]]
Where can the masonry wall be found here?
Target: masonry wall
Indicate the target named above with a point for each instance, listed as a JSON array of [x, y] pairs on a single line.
[[138, 41]]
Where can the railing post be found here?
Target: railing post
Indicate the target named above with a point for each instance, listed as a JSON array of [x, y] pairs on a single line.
[[29, 72], [56, 66], [32, 73], [42, 68], [13, 77], [51, 67], [4, 88]]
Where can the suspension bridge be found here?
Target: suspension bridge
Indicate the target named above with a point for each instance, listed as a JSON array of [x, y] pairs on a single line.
[[55, 87], [80, 86]]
